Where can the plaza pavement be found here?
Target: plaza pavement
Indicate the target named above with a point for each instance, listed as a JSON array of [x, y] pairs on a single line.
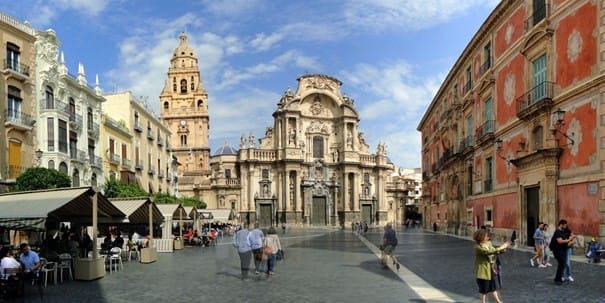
[[329, 265]]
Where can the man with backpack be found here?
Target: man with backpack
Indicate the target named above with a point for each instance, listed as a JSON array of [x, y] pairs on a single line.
[[389, 241], [558, 245]]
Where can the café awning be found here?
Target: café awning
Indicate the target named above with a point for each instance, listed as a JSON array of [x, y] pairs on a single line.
[[137, 210], [216, 215], [174, 210], [31, 210]]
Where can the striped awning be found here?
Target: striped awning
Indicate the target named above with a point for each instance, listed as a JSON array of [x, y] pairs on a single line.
[[32, 209]]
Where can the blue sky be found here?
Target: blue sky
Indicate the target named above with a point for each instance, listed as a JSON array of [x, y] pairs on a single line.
[[390, 55]]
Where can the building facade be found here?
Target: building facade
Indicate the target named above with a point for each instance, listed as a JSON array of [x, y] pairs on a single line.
[[69, 111], [149, 154], [184, 110], [515, 133], [18, 106], [117, 144]]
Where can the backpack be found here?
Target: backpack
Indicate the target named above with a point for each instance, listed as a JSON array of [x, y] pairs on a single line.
[[553, 244]]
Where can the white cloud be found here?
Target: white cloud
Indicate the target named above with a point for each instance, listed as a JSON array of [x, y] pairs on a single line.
[[231, 7], [264, 42], [410, 14], [400, 104], [43, 15]]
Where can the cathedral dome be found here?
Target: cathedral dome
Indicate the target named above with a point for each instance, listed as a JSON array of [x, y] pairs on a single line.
[[183, 50], [226, 149]]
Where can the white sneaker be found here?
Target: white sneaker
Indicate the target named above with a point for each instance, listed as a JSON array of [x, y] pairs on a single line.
[[570, 278], [541, 266], [531, 262], [548, 264], [563, 279]]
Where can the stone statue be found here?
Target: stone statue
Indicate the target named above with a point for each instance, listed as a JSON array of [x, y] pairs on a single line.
[[349, 140], [335, 155], [292, 138], [251, 140], [242, 143]]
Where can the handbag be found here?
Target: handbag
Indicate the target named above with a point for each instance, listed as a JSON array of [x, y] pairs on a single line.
[[280, 255], [268, 250]]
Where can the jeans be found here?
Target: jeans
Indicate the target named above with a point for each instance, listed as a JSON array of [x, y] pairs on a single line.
[[258, 264], [561, 258], [244, 259], [567, 272], [270, 262]]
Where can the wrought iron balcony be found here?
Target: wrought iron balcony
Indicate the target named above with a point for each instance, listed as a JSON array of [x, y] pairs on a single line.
[[488, 185], [537, 99], [126, 162], [139, 166], [18, 119], [485, 66], [138, 127], [93, 130], [486, 130], [53, 105], [16, 67], [538, 15], [95, 161], [160, 141], [150, 134], [151, 170], [114, 158], [467, 87]]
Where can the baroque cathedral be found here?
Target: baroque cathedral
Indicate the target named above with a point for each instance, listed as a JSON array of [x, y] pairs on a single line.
[[311, 167]]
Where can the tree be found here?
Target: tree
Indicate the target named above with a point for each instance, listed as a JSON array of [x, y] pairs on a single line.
[[161, 198], [35, 178], [118, 189]]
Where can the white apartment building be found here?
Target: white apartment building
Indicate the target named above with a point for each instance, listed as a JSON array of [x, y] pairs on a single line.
[[69, 111]]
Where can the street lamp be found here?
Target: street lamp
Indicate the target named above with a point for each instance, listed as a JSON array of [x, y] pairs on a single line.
[[559, 117], [39, 157]]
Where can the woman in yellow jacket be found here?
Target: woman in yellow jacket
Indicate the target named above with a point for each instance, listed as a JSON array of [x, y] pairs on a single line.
[[485, 265]]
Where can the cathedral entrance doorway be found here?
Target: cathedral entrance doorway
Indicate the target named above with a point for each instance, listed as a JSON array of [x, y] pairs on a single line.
[[366, 213], [265, 215], [319, 211]]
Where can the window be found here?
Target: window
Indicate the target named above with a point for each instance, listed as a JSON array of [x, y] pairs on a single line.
[[51, 164], [50, 98], [489, 172], [539, 11], [488, 217], [63, 167], [366, 178], [488, 116], [318, 147], [174, 84], [91, 151], [200, 103], [14, 103], [72, 109], [183, 140], [538, 136], [192, 84], [487, 55], [93, 180], [62, 136], [12, 56], [50, 134], [166, 105], [539, 79], [228, 173], [75, 178], [265, 174], [73, 145], [89, 118], [183, 86]]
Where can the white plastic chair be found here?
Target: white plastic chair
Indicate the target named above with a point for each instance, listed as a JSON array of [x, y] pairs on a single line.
[[48, 267], [115, 259], [64, 264]]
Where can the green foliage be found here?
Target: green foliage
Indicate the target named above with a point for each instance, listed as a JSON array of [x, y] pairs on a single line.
[[118, 189], [191, 201], [163, 198], [35, 178]]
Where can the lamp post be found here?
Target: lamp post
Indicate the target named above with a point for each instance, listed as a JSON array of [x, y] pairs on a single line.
[[39, 154]]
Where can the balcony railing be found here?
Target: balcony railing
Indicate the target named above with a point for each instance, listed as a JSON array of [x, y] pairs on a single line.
[[114, 158], [17, 67], [485, 66], [126, 162], [160, 141], [150, 134], [77, 154], [539, 95], [160, 174], [138, 127], [18, 118], [151, 170], [485, 129], [75, 120], [95, 161], [53, 105], [139, 166], [488, 185], [539, 15], [117, 125], [467, 87]]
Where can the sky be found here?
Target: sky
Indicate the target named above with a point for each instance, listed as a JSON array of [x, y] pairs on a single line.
[[391, 56]]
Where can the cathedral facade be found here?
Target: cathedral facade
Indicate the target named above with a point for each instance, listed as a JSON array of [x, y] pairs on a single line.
[[311, 167]]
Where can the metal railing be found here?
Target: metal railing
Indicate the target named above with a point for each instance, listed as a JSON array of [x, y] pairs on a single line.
[[126, 162], [488, 185], [95, 161], [151, 170], [539, 93], [485, 129], [17, 67], [138, 127], [139, 165], [18, 117], [53, 105], [150, 134], [485, 66], [114, 158], [538, 15], [467, 87]]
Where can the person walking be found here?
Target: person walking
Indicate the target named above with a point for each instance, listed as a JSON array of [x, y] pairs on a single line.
[[389, 242], [272, 246], [545, 253], [538, 247], [485, 265], [256, 238], [559, 244], [240, 242], [567, 272]]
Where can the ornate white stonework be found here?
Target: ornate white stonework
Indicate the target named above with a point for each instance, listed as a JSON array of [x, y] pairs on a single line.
[[508, 35], [509, 88], [574, 46]]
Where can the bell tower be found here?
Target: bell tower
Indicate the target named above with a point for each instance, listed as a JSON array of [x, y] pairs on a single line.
[[184, 108]]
